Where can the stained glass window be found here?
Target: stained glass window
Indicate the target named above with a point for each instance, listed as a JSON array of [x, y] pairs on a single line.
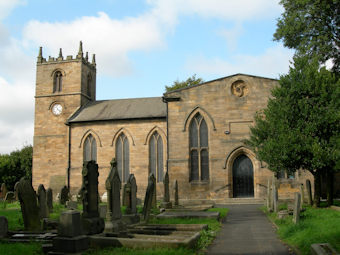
[[156, 156], [123, 157], [90, 149]]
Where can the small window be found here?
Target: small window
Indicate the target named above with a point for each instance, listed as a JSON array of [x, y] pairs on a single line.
[[156, 156], [90, 149], [89, 81], [122, 157], [57, 82], [199, 151]]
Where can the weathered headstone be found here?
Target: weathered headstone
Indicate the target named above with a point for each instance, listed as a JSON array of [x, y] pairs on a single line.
[[70, 238], [126, 194], [176, 193], [309, 192], [154, 196], [42, 202], [133, 194], [275, 198], [297, 205], [71, 205], [131, 216], [16, 190], [3, 190], [64, 195], [28, 203], [268, 195], [148, 198], [92, 223], [10, 197], [49, 199], [302, 195], [3, 226], [166, 199], [114, 223]]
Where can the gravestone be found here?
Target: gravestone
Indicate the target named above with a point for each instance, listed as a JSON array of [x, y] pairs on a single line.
[[114, 223], [126, 194], [154, 196], [92, 223], [166, 199], [297, 206], [268, 195], [10, 197], [176, 193], [42, 202], [49, 199], [309, 192], [3, 190], [275, 197], [71, 205], [148, 198], [131, 216], [70, 238], [29, 206], [302, 195], [16, 190], [133, 194], [3, 226], [64, 195]]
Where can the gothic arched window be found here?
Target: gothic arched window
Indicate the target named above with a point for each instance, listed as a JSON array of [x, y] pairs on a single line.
[[90, 148], [199, 150], [57, 81], [156, 156], [122, 157], [89, 80]]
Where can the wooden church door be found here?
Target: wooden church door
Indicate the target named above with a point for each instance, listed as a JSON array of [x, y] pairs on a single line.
[[243, 177]]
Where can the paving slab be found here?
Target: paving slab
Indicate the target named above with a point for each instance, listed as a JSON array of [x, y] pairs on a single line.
[[247, 231]]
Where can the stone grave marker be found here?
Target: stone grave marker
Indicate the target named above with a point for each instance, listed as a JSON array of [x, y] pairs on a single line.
[[3, 190], [268, 195], [176, 193], [42, 202], [154, 196], [309, 192], [148, 198], [114, 223], [92, 223], [131, 216], [126, 194], [29, 206], [133, 194], [16, 190], [275, 198], [71, 205], [3, 226], [297, 206], [166, 199], [10, 197], [64, 195], [49, 199], [70, 238]]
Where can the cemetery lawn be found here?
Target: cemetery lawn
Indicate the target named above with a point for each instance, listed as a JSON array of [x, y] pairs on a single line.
[[20, 248], [317, 225]]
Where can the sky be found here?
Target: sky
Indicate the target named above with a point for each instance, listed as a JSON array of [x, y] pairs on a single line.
[[140, 46]]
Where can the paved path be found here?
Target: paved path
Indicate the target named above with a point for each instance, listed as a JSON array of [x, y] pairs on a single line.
[[247, 231]]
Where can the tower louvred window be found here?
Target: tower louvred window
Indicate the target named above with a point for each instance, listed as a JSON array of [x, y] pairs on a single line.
[[57, 82]]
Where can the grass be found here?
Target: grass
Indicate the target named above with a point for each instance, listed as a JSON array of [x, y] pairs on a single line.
[[20, 248], [317, 225]]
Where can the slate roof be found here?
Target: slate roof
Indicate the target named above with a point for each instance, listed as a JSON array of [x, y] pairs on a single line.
[[121, 109]]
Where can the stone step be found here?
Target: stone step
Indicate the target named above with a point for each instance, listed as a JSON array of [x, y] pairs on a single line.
[[238, 201]]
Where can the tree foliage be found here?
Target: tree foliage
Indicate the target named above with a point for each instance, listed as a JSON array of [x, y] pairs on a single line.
[[15, 165], [300, 128], [191, 81], [311, 27]]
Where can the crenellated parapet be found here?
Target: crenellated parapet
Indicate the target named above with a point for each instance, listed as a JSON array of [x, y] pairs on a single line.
[[60, 59]]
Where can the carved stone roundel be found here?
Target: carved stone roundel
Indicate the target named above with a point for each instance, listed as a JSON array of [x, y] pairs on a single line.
[[239, 88]]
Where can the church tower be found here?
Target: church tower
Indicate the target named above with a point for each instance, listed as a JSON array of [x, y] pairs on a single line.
[[63, 85]]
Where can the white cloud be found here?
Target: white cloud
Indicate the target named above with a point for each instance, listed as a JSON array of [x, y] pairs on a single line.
[[273, 62], [6, 6]]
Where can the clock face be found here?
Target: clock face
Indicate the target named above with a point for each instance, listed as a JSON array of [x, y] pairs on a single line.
[[57, 109]]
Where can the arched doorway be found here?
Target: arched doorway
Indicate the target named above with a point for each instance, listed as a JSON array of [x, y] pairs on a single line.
[[243, 177]]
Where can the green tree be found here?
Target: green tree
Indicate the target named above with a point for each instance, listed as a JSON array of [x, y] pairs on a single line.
[[311, 27], [300, 128], [191, 81], [15, 165]]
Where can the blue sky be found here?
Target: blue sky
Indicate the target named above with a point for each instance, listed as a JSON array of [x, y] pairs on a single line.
[[140, 46]]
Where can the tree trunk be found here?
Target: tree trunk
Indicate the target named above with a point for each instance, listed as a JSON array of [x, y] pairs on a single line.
[[330, 186], [317, 188]]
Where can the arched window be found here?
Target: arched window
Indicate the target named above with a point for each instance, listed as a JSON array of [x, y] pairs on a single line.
[[89, 80], [122, 157], [156, 156], [199, 150], [57, 81], [90, 148]]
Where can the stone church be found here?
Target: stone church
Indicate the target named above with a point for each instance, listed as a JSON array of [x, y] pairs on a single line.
[[195, 133]]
